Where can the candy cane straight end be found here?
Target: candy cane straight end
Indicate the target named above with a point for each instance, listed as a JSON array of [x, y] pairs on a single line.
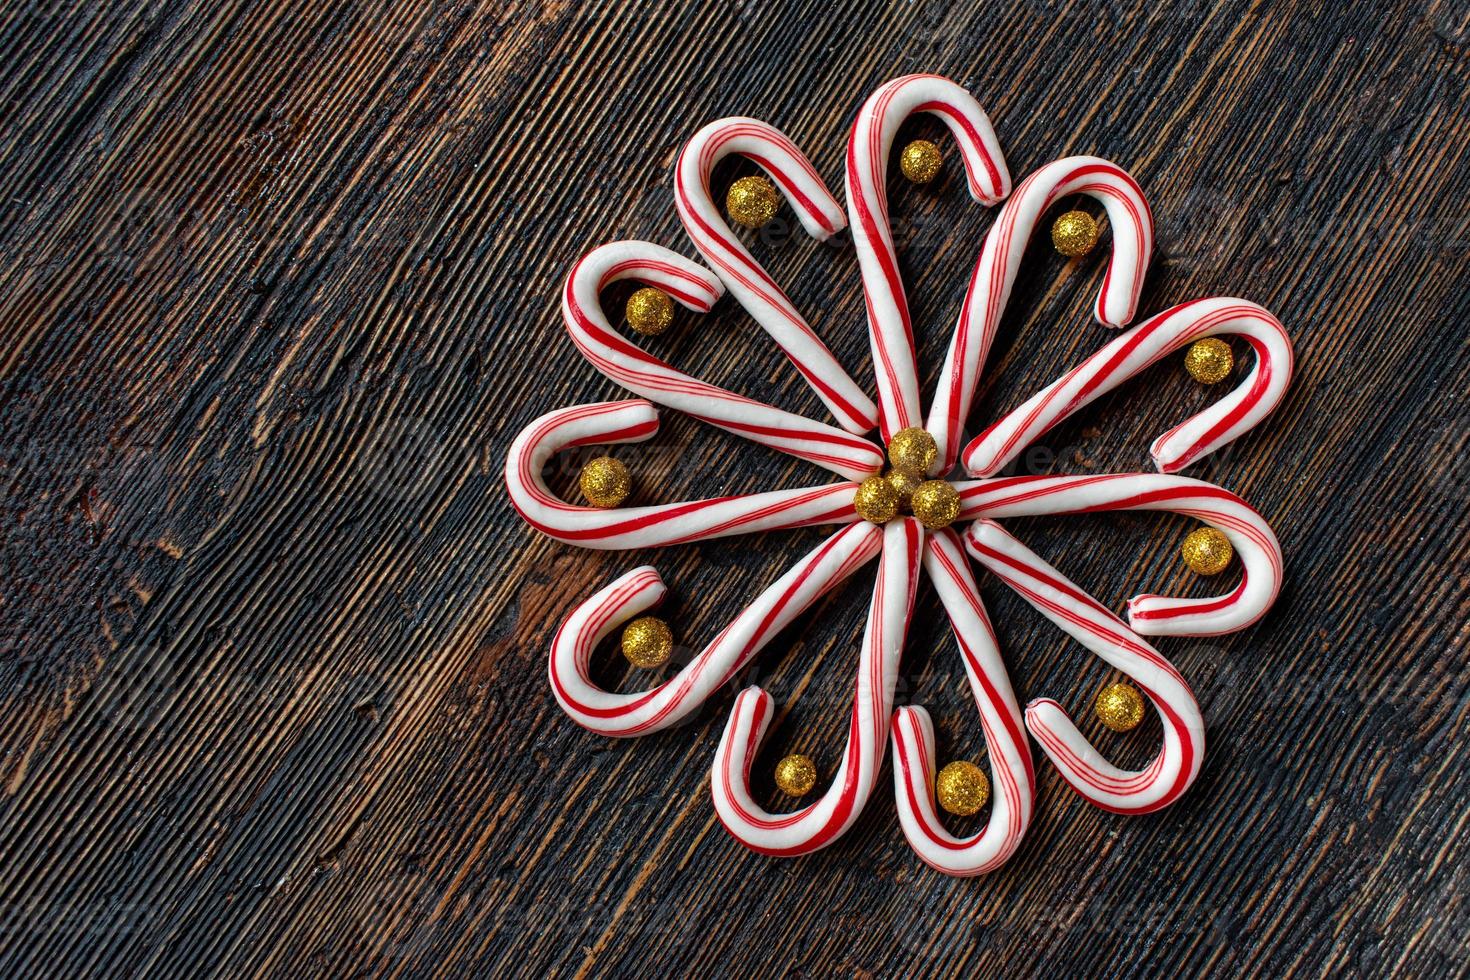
[[1174, 465]]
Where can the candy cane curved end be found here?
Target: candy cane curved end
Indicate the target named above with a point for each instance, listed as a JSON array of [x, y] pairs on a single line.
[[653, 526], [1126, 356], [1252, 400], [639, 713], [1129, 218], [748, 281], [822, 822], [1000, 262], [1178, 762], [1263, 569], [890, 331], [774, 152], [879, 119], [1012, 776], [842, 452]]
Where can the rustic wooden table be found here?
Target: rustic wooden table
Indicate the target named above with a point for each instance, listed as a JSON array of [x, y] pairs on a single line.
[[280, 285]]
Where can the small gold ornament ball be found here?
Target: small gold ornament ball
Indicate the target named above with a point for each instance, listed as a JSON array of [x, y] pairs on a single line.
[[647, 642], [796, 775], [935, 503], [962, 788], [912, 451], [650, 311], [1119, 706], [1209, 361], [605, 482], [876, 500], [920, 161], [1207, 551], [752, 201], [905, 484], [1074, 234]]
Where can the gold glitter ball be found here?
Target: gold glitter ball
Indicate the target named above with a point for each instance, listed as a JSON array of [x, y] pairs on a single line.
[[920, 161], [650, 311], [752, 201], [1209, 361], [605, 482], [1119, 706], [1074, 234], [962, 788], [876, 500], [905, 484], [936, 504], [912, 451], [647, 641], [1207, 551], [796, 775]]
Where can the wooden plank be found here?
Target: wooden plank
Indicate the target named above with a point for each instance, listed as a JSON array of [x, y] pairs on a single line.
[[280, 284]]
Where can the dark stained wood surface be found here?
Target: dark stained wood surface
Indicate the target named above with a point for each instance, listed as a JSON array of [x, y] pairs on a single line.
[[279, 284]]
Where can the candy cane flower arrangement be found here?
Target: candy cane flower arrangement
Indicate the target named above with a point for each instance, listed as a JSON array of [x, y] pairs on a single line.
[[891, 501]]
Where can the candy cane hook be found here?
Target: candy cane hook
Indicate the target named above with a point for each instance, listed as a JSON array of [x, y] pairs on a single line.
[[1249, 534], [1000, 261], [890, 330], [747, 280], [643, 374], [1148, 343], [819, 824], [1011, 771], [656, 526], [1105, 785], [623, 715]]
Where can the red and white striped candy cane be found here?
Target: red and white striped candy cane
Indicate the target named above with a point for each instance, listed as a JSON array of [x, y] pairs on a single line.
[[1084, 618], [655, 526], [819, 824], [845, 454], [1011, 772], [1000, 260], [1153, 615], [890, 330], [623, 715], [1224, 421], [750, 284]]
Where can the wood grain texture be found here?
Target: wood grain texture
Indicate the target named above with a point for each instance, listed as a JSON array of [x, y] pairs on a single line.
[[278, 285]]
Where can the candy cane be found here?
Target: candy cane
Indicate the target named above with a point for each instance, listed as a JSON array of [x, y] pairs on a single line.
[[750, 284], [819, 824], [1152, 615], [1000, 260], [622, 715], [890, 330], [1083, 617], [1144, 345], [646, 527], [1011, 772], [841, 452]]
